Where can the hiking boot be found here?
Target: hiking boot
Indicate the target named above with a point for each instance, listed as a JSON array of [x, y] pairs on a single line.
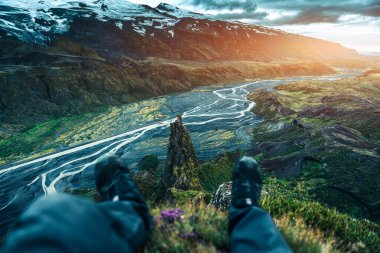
[[114, 180], [114, 183], [247, 182]]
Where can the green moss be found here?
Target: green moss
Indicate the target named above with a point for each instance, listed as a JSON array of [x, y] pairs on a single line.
[[346, 230], [216, 172], [34, 139], [293, 201], [201, 229], [340, 176], [317, 121], [264, 132], [307, 225], [180, 197], [147, 182], [312, 169], [149, 162]]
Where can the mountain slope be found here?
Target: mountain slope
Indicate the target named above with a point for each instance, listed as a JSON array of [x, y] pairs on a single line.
[[67, 57], [114, 28]]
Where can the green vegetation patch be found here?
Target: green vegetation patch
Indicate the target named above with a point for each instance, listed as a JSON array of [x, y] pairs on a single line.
[[189, 228], [33, 140], [216, 172], [181, 197], [149, 163], [308, 226]]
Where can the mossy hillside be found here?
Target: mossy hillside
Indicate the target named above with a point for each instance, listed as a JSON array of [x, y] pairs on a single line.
[[339, 175], [351, 102], [334, 143], [216, 172], [307, 225]]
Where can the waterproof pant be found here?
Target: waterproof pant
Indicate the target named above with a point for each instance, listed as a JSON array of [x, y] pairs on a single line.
[[66, 224], [252, 229]]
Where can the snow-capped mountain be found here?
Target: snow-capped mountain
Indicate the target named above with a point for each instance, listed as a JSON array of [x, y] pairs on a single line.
[[39, 20], [116, 28]]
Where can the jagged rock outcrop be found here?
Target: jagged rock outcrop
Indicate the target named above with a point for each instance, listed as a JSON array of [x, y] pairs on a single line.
[[222, 196], [182, 170]]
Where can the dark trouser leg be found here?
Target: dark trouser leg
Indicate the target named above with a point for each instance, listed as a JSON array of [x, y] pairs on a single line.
[[63, 223], [253, 230]]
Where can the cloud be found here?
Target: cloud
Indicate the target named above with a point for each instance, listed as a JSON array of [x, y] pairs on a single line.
[[353, 23], [326, 11], [310, 17], [248, 6], [303, 11], [244, 15], [330, 14]]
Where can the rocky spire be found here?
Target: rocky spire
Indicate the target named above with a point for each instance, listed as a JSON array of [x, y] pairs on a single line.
[[182, 169]]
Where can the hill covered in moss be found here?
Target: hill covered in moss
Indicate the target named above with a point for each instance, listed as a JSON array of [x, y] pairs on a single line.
[[318, 146], [325, 134], [191, 224]]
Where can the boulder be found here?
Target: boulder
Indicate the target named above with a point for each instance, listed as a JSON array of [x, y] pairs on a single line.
[[222, 197]]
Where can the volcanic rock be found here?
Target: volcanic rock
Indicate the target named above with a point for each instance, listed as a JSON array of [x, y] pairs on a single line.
[[222, 196]]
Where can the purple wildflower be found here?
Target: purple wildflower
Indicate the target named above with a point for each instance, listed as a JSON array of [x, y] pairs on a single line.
[[192, 236], [171, 215]]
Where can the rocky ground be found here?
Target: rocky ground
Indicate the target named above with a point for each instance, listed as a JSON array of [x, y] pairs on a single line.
[[326, 135]]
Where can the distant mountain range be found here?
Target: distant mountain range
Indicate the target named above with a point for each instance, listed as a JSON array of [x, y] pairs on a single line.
[[64, 57], [116, 28]]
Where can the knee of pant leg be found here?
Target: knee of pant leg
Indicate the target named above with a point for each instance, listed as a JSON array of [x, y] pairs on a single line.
[[52, 201], [56, 205]]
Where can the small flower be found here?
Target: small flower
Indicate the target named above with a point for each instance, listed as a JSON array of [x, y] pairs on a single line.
[[171, 215], [193, 235]]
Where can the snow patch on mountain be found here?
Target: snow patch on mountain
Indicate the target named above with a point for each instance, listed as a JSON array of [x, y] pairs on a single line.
[[139, 29], [177, 12], [40, 20], [119, 24]]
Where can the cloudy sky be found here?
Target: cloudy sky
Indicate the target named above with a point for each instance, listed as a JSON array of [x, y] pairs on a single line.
[[352, 23]]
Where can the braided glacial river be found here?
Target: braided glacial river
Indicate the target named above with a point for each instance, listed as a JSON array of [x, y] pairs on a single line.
[[219, 119]]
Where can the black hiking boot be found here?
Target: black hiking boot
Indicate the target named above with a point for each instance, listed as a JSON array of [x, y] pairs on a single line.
[[247, 182], [114, 183], [113, 179]]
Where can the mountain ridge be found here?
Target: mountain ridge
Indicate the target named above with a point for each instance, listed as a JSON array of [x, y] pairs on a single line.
[[109, 56], [45, 24]]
